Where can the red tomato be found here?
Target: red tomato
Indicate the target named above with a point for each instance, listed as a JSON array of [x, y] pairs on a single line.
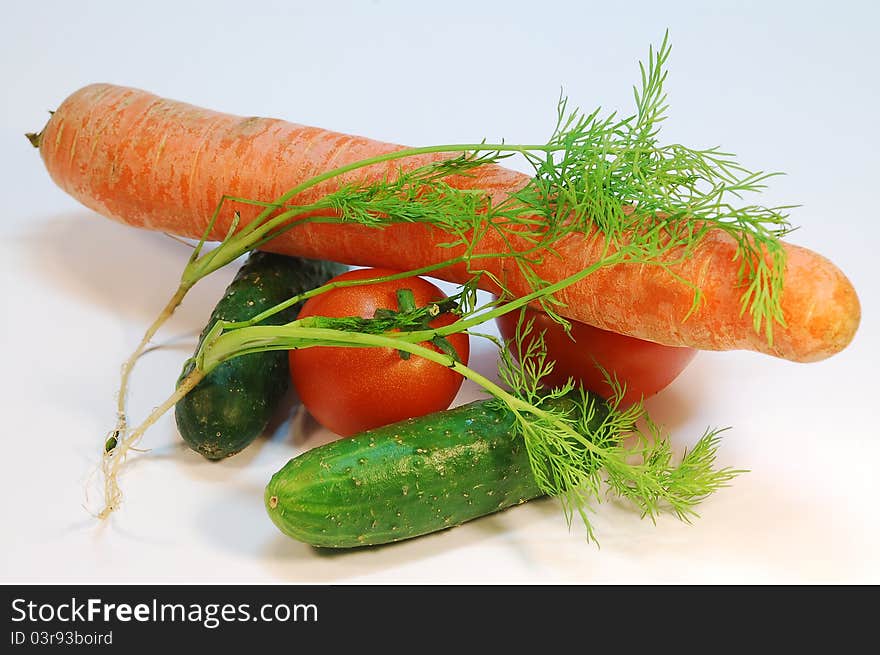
[[349, 390], [645, 367]]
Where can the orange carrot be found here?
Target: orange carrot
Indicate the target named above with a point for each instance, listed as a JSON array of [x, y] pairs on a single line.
[[164, 165]]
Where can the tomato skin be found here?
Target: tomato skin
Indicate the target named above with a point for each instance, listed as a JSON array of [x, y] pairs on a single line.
[[349, 390], [644, 366]]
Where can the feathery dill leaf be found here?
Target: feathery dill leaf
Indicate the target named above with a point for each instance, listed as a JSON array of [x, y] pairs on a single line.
[[612, 175], [583, 444]]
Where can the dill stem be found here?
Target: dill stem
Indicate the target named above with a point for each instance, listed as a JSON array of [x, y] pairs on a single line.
[[522, 301], [402, 154], [292, 335], [518, 405], [259, 230], [457, 326], [262, 316]]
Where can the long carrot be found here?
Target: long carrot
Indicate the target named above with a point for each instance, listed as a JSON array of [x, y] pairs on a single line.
[[164, 165]]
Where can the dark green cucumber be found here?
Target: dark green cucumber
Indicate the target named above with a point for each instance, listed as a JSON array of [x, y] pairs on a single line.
[[233, 405], [407, 479]]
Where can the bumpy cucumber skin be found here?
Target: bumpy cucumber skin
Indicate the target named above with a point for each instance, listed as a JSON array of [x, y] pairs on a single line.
[[232, 406], [404, 480]]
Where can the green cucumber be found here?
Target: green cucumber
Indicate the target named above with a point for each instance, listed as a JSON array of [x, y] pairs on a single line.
[[232, 406], [407, 479]]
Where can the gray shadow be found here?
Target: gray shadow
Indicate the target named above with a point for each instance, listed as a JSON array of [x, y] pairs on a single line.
[[107, 264], [129, 272], [253, 535]]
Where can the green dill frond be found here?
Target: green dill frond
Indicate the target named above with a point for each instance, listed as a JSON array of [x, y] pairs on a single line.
[[656, 201], [579, 444], [597, 175]]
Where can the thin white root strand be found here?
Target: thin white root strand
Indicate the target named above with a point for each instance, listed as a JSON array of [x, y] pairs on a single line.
[[121, 428], [114, 459], [114, 454]]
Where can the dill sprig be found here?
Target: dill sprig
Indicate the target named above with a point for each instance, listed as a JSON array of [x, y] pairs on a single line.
[[583, 444], [595, 174], [598, 176], [612, 175]]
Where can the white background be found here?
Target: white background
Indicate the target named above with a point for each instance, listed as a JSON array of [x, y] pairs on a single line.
[[787, 86]]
